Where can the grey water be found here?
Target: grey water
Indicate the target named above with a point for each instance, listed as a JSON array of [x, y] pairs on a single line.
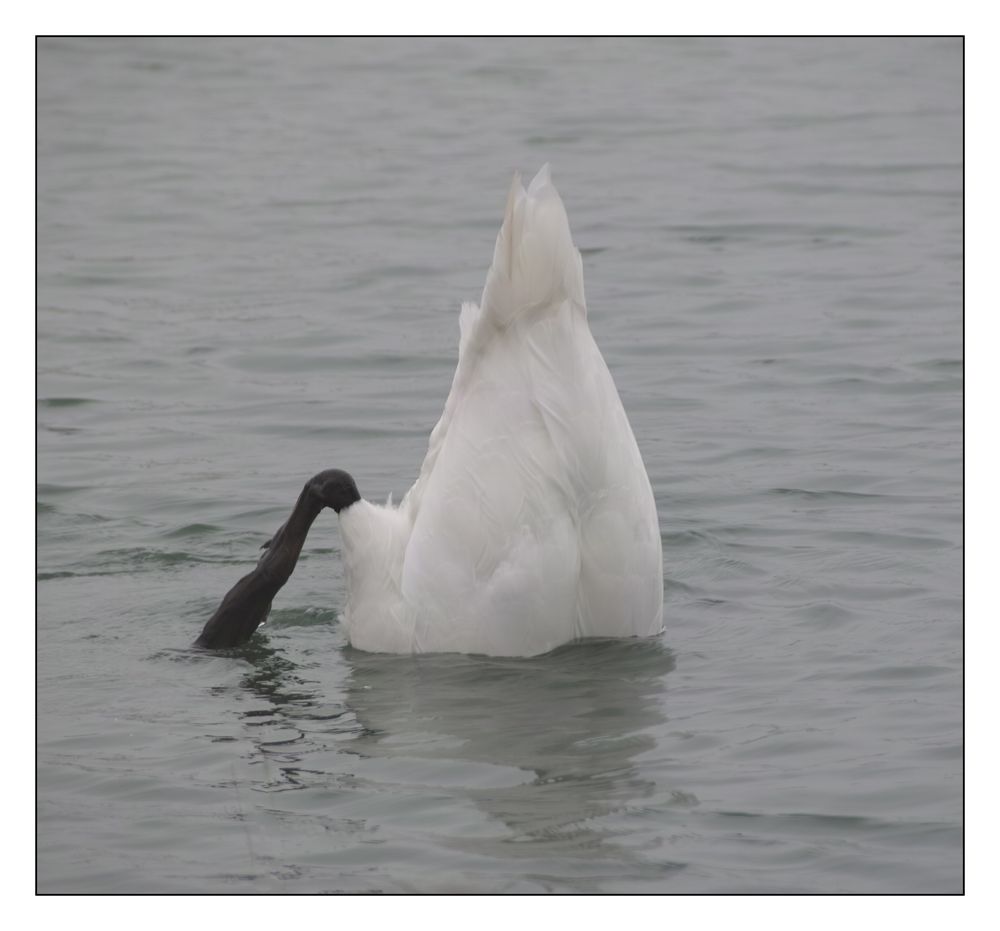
[[251, 257]]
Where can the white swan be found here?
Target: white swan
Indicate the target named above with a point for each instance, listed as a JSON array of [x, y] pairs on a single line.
[[532, 522]]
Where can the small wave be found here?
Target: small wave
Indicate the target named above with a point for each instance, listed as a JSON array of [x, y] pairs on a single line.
[[826, 495], [45, 488], [192, 530], [300, 617], [138, 559], [66, 402]]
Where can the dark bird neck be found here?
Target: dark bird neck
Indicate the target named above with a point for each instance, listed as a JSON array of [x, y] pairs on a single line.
[[283, 551], [248, 602]]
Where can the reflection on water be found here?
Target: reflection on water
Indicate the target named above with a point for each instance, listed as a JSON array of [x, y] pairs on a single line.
[[271, 676], [541, 746]]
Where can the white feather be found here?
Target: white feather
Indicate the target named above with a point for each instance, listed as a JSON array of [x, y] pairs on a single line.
[[532, 521]]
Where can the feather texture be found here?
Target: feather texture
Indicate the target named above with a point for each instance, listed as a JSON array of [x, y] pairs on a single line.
[[532, 521]]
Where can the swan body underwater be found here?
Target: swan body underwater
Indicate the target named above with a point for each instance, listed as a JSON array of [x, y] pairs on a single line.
[[532, 522]]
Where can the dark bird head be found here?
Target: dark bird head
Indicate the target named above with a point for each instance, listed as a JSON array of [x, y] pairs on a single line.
[[333, 489]]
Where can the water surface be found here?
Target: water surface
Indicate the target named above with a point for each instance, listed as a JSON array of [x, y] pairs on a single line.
[[251, 255]]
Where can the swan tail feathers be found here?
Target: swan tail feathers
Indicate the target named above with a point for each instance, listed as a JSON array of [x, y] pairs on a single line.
[[535, 264]]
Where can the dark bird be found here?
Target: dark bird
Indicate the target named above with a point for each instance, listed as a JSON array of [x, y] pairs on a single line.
[[248, 602]]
